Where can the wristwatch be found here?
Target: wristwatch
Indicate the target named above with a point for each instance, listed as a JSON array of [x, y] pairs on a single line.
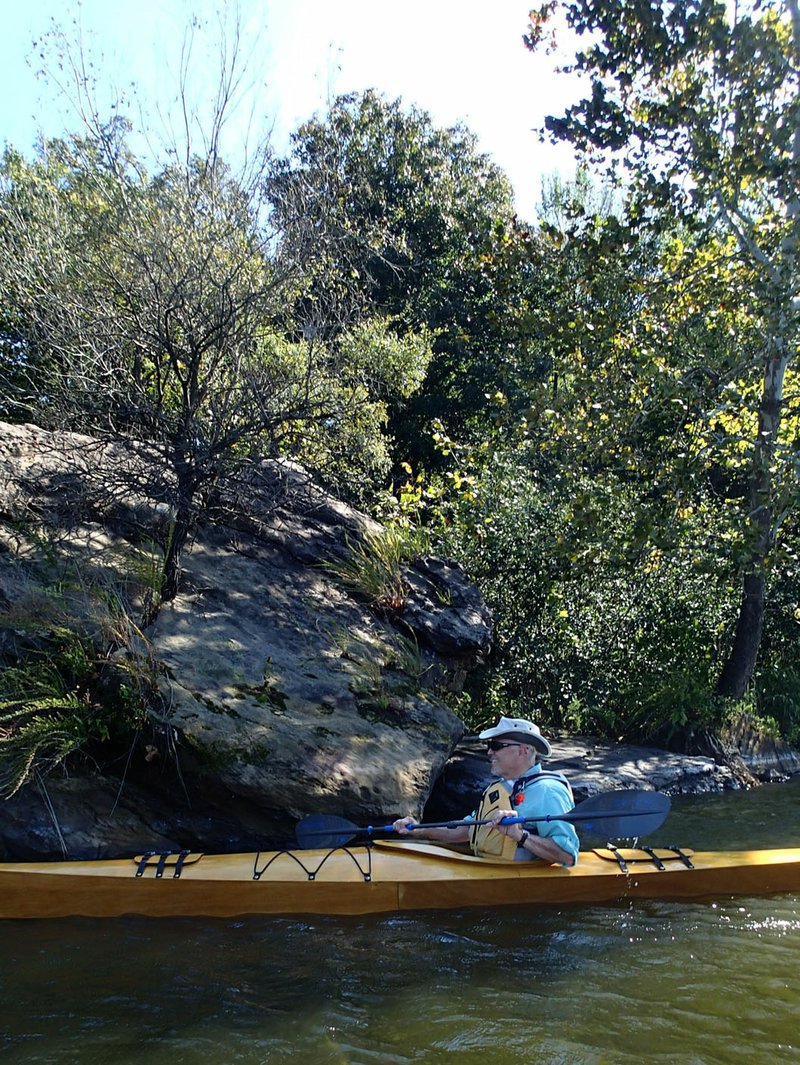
[[522, 839]]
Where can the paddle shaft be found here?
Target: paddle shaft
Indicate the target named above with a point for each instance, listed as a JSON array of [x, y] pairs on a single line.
[[618, 814], [572, 815]]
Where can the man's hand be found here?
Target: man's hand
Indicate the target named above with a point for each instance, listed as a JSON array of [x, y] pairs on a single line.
[[514, 830], [402, 826]]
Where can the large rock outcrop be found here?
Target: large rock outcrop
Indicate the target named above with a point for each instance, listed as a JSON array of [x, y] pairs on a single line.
[[282, 692]]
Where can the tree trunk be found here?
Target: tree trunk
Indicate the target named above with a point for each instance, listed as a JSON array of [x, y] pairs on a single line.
[[738, 669], [188, 481], [172, 560], [741, 661]]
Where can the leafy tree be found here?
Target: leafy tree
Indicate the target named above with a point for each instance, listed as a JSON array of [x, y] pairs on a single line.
[[601, 520], [147, 309], [599, 629], [414, 221], [143, 302], [697, 101]]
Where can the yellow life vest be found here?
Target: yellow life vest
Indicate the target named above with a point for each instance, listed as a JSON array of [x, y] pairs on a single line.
[[483, 839]]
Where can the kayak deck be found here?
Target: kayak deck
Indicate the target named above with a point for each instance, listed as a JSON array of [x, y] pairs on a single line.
[[383, 877]]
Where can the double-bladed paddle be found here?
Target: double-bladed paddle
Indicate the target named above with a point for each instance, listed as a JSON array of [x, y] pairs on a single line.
[[614, 814]]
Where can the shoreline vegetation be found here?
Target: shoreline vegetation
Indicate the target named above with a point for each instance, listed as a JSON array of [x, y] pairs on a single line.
[[333, 444], [272, 686]]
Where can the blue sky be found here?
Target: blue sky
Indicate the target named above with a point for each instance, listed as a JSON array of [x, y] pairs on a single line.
[[461, 60]]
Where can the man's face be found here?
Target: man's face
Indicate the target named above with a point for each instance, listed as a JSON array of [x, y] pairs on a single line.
[[508, 758]]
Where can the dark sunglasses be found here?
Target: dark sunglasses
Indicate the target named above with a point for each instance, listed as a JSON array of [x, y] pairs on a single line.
[[498, 745]]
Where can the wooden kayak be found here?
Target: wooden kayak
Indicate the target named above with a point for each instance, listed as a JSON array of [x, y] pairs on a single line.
[[382, 877]]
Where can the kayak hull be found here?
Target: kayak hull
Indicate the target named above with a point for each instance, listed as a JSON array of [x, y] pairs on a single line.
[[384, 877]]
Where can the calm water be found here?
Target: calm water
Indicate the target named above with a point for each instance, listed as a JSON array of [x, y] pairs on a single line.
[[650, 982]]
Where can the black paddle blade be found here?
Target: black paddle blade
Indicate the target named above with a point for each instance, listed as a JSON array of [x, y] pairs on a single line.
[[324, 831], [623, 814]]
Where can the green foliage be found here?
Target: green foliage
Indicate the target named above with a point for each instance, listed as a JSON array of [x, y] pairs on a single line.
[[52, 709], [596, 416], [700, 90], [603, 625], [351, 379], [775, 691], [373, 567], [618, 464], [150, 308], [414, 221], [696, 104], [387, 363]]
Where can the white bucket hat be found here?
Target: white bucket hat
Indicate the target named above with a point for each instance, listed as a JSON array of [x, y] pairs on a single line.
[[514, 728]]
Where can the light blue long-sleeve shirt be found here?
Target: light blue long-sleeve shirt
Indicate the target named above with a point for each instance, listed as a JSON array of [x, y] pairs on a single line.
[[540, 798]]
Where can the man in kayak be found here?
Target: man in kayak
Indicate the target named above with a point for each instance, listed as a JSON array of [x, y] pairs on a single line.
[[524, 789]]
